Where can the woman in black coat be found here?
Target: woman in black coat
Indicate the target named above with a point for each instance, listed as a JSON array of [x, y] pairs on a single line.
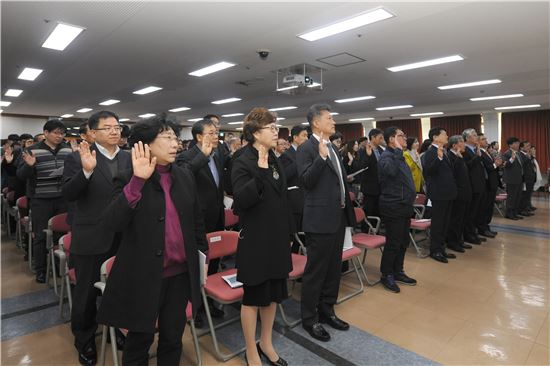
[[263, 254], [156, 271]]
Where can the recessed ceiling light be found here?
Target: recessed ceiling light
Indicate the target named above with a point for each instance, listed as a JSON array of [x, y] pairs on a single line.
[[239, 128], [146, 115], [84, 110], [518, 106], [68, 115], [110, 102], [305, 123], [179, 109], [426, 114], [235, 123], [279, 125], [4, 103], [287, 88], [29, 73], [212, 68], [62, 36], [394, 107], [233, 115], [361, 119], [147, 90], [281, 118], [344, 25], [314, 85], [282, 108], [333, 114], [356, 99], [497, 97], [123, 119], [228, 100], [195, 119], [473, 83], [435, 61], [13, 92]]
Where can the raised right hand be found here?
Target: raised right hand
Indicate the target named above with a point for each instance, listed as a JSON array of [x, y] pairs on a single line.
[[368, 148], [323, 149], [29, 158], [206, 145], [513, 155], [142, 163], [87, 157], [440, 152]]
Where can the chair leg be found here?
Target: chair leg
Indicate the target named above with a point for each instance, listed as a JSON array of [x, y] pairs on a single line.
[[61, 296], [358, 290], [419, 252], [289, 323], [364, 271], [196, 342], [69, 294], [103, 345], [29, 249], [113, 346]]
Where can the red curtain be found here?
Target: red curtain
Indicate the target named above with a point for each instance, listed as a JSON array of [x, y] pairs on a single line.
[[531, 126], [350, 131], [411, 127], [456, 124]]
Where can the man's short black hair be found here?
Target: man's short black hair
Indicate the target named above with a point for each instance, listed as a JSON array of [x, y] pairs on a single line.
[[523, 143], [295, 131], [125, 132], [361, 139], [25, 136], [147, 131], [435, 131], [54, 124], [512, 140], [198, 127], [337, 135], [83, 128], [13, 137], [493, 144], [93, 121], [315, 111], [375, 132], [210, 116], [390, 132]]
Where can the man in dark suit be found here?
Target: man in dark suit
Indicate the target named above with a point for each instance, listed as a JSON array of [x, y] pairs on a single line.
[[441, 187], [298, 135], [491, 165], [529, 178], [513, 177], [369, 157], [327, 212], [464, 195], [207, 167], [88, 184]]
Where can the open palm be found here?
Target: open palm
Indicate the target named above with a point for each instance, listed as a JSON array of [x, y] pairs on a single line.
[[143, 164], [87, 157]]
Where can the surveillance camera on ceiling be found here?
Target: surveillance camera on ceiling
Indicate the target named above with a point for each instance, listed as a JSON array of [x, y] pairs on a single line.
[[263, 53]]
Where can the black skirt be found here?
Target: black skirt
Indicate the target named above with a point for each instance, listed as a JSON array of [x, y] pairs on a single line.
[[265, 293]]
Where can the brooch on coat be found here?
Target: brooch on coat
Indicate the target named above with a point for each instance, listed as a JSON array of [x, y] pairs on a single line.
[[274, 171]]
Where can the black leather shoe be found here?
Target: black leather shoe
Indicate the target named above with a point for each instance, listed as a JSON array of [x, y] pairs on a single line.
[[279, 362], [317, 331], [532, 208], [456, 248], [518, 217], [511, 218], [483, 239], [402, 277], [526, 213], [439, 257], [487, 234], [389, 283], [215, 312], [466, 246], [493, 232], [199, 322], [88, 357], [449, 255], [475, 241], [41, 277], [333, 321]]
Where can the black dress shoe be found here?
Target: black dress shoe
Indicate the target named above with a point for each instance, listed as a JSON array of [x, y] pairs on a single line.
[[456, 248], [493, 232], [532, 208], [526, 213], [279, 362], [88, 356], [474, 240], [483, 239], [518, 217], [511, 218], [215, 312], [449, 255], [466, 246], [333, 321], [389, 283], [402, 277], [487, 234], [317, 331], [41, 277], [439, 257]]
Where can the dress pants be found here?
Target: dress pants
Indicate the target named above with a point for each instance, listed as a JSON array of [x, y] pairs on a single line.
[[397, 240], [441, 214], [43, 209], [456, 223], [473, 212], [512, 201], [321, 279], [175, 292], [485, 215], [526, 197]]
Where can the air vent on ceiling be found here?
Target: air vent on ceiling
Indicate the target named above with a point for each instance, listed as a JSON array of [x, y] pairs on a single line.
[[341, 59]]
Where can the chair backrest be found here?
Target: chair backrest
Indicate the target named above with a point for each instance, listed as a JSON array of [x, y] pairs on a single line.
[[352, 196], [5, 191], [22, 203], [10, 198], [65, 242], [230, 218], [359, 214], [58, 223], [107, 266], [420, 199], [222, 243]]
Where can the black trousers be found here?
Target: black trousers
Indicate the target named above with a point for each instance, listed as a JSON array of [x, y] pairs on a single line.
[[397, 240], [514, 199], [473, 212], [441, 214], [43, 209], [371, 208], [321, 279], [175, 292], [456, 223], [526, 195], [485, 215]]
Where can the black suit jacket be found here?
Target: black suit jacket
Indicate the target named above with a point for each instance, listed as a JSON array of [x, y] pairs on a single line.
[[210, 195], [369, 178], [462, 178], [321, 183], [88, 199], [513, 172], [491, 169], [132, 295], [295, 196], [476, 169], [438, 175], [529, 170]]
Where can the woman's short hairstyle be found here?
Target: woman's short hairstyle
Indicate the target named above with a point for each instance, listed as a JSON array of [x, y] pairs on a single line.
[[147, 131], [255, 120], [410, 142]]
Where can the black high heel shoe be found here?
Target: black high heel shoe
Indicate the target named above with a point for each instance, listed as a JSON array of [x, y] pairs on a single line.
[[279, 362]]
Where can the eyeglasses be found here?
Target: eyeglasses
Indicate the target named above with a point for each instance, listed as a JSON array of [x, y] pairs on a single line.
[[110, 129], [273, 128], [170, 138]]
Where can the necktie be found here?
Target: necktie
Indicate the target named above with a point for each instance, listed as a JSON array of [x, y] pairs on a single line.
[[334, 161], [214, 170], [377, 153]]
